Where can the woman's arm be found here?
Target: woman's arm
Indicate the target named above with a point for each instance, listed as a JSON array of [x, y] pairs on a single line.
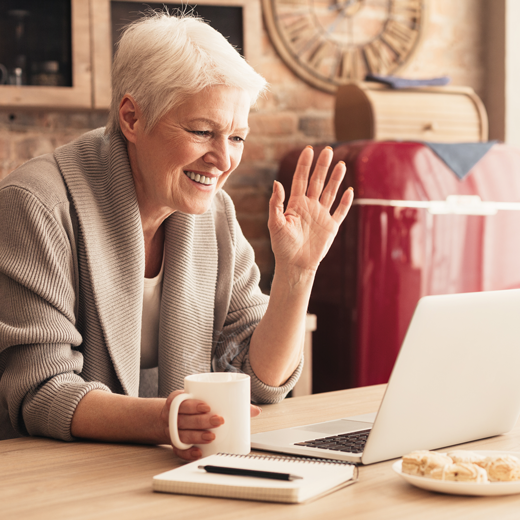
[[108, 417], [300, 238], [111, 417]]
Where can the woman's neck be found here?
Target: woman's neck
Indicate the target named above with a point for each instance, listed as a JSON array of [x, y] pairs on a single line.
[[152, 219], [153, 251]]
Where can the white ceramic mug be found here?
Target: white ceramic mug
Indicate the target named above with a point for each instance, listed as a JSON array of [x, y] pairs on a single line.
[[228, 394]]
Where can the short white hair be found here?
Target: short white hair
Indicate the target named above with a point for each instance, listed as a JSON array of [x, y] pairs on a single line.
[[161, 59]]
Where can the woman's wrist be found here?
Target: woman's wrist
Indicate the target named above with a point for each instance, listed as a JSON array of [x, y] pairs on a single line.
[[296, 277]]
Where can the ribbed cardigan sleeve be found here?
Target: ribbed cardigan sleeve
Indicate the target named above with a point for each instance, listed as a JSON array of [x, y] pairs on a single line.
[[247, 306], [39, 366]]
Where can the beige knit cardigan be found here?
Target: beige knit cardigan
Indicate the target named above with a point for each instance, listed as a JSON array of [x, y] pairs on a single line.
[[71, 289]]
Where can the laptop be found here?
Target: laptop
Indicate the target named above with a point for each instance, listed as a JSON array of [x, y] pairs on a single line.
[[456, 379]]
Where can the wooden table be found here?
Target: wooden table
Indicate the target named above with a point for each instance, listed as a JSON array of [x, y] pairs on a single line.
[[45, 479]]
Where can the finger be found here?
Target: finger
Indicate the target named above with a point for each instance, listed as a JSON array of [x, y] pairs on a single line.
[[193, 406], [199, 421], [344, 206], [188, 406], [196, 436], [255, 411], [301, 174], [320, 173], [190, 454], [331, 190]]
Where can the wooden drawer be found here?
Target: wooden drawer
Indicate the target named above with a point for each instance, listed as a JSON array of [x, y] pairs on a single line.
[[440, 114]]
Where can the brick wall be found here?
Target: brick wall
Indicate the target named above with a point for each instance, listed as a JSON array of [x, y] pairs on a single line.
[[293, 114], [25, 134]]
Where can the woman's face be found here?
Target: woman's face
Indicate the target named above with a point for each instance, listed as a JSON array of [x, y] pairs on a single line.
[[190, 153]]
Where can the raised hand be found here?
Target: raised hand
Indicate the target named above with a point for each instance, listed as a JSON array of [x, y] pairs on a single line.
[[302, 235]]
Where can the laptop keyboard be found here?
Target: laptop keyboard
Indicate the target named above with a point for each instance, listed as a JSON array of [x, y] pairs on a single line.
[[350, 442]]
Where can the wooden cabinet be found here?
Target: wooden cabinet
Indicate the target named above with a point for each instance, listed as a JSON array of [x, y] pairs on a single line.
[[101, 31], [80, 94], [91, 44]]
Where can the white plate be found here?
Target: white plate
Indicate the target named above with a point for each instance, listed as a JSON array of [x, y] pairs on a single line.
[[463, 488]]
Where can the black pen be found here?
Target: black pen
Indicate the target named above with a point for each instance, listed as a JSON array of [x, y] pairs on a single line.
[[249, 473]]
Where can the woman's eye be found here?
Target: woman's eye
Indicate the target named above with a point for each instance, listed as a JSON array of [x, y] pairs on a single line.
[[237, 139], [202, 133]]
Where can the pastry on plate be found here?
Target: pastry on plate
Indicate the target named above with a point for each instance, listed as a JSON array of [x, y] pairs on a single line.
[[422, 463], [466, 456], [460, 472], [502, 468]]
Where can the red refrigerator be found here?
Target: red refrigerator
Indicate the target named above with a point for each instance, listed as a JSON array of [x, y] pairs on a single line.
[[415, 229]]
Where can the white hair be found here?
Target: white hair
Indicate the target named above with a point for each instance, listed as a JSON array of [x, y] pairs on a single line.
[[161, 59]]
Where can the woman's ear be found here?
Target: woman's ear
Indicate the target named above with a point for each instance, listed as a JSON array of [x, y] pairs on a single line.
[[129, 117]]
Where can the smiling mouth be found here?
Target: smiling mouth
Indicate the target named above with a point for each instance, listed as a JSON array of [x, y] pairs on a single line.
[[201, 179]]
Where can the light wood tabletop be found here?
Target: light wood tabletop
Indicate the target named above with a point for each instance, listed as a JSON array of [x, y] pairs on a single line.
[[46, 479]]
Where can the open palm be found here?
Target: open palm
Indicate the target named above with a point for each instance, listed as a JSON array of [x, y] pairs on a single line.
[[302, 235]]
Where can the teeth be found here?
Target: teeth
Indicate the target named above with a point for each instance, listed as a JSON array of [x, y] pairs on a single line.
[[202, 179]]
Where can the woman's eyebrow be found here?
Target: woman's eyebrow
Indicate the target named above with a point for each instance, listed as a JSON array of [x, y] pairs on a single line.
[[214, 124]]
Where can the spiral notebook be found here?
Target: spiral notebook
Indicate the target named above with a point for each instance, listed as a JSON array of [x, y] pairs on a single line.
[[317, 478]]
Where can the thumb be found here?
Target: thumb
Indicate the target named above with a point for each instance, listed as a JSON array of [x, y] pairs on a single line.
[[255, 410]]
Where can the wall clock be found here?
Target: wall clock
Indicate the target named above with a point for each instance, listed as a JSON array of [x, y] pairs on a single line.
[[331, 42]]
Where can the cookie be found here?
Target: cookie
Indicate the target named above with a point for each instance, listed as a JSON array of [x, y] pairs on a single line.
[[422, 463], [466, 456], [460, 472], [502, 468]]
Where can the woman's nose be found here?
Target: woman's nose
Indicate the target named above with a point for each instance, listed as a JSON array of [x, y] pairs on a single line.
[[219, 156]]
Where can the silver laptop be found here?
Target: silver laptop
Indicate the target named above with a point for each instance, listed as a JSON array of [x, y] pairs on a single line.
[[456, 379]]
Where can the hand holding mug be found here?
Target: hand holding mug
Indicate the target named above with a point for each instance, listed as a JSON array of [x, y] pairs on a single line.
[[195, 421], [213, 415]]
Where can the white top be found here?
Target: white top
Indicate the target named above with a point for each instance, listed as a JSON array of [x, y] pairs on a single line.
[[150, 322]]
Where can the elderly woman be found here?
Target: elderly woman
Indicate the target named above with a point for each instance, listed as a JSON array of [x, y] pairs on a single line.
[[120, 252]]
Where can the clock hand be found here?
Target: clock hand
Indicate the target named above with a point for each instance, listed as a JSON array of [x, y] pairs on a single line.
[[332, 27], [344, 5]]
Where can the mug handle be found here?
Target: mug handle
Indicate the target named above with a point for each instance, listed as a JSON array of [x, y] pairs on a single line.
[[174, 412]]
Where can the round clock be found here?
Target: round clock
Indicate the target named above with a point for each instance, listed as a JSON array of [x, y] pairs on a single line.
[[331, 42]]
